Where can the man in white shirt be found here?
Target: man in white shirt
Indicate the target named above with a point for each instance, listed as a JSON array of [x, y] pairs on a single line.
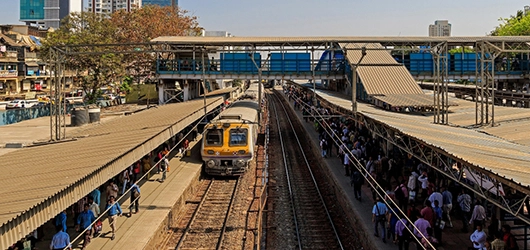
[[436, 196], [424, 184], [478, 238], [411, 185], [478, 216]]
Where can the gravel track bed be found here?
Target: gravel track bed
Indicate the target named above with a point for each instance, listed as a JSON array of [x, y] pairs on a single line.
[[280, 227], [206, 228], [283, 221]]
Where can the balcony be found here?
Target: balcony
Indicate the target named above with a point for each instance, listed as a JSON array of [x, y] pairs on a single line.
[[31, 55], [8, 73], [8, 55]]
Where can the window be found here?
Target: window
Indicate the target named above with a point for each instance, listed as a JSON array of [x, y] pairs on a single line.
[[238, 137], [214, 137]]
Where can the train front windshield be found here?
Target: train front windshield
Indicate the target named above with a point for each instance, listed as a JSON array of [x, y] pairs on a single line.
[[238, 137], [214, 137]]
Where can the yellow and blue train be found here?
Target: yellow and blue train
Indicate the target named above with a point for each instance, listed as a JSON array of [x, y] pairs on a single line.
[[230, 138]]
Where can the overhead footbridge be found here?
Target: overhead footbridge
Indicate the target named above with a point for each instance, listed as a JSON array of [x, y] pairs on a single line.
[[39, 182]]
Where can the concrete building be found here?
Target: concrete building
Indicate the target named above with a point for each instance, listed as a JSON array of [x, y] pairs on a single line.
[[440, 28], [110, 6], [173, 3], [47, 13]]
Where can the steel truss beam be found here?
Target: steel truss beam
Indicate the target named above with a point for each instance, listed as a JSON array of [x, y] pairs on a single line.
[[173, 93], [441, 99], [454, 169], [447, 165], [57, 102], [485, 86]]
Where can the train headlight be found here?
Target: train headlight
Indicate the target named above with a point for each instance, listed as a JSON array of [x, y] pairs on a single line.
[[211, 163], [240, 163], [210, 152], [241, 152]]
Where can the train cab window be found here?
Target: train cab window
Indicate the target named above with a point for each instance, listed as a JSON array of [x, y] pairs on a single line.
[[214, 137], [238, 137]]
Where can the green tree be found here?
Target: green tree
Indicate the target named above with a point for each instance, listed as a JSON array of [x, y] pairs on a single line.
[[145, 24], [105, 65], [518, 25], [94, 70], [463, 49]]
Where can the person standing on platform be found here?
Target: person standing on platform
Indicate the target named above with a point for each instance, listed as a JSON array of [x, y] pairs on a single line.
[[94, 207], [96, 194], [125, 179], [357, 180], [464, 201], [79, 208], [420, 230], [135, 171], [428, 213], [60, 240], [438, 225], [324, 147], [479, 215], [147, 166], [135, 199], [185, 147], [411, 185], [478, 238], [436, 196], [402, 195], [114, 211], [508, 238], [498, 244], [112, 190], [60, 221], [379, 215], [447, 205], [424, 179], [346, 164], [403, 235], [164, 164], [84, 222]]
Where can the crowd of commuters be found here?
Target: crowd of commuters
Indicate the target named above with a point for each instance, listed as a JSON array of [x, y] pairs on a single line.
[[415, 196]]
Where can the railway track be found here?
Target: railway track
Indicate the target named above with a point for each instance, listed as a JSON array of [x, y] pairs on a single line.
[[313, 225], [204, 223]]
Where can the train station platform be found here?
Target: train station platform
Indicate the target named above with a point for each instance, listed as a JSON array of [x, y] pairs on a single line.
[[453, 238], [498, 157], [42, 181], [159, 204]]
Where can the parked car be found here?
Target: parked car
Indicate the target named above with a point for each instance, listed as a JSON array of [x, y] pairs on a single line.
[[15, 104]]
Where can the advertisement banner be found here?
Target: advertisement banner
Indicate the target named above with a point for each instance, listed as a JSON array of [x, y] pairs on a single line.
[[485, 182]]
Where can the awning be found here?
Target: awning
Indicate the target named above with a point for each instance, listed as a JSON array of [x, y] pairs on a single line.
[[32, 64], [388, 80]]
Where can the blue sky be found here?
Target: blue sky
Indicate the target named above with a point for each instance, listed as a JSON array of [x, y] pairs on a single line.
[[336, 17]]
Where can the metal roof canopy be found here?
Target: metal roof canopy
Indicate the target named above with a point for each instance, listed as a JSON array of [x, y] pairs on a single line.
[[390, 82], [52, 177], [407, 100], [503, 161], [503, 41]]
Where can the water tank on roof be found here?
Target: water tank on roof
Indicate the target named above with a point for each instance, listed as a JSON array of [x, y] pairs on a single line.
[[94, 115], [79, 117]]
